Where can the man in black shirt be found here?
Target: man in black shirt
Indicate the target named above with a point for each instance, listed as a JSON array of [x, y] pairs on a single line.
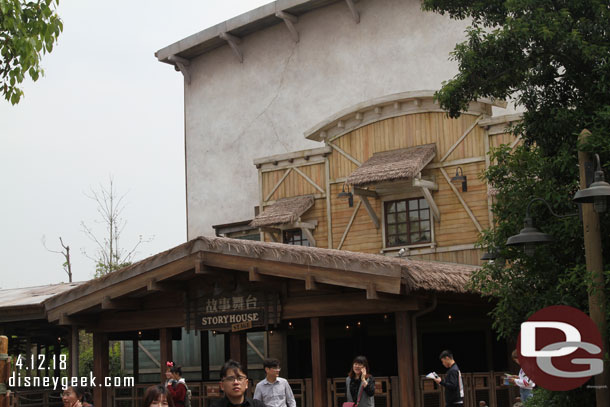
[[454, 387], [234, 383]]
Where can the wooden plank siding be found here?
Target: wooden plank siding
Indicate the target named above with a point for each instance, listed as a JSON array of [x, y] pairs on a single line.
[[456, 226]]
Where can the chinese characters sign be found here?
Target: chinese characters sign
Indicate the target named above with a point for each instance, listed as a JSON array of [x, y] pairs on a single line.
[[235, 312]]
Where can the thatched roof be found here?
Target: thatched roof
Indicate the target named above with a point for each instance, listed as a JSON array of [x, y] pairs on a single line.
[[286, 210], [393, 165]]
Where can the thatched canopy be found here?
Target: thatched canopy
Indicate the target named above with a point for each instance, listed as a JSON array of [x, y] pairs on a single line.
[[287, 210], [393, 165]]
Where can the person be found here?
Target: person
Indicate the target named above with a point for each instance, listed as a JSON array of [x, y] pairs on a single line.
[[168, 373], [73, 396], [177, 386], [274, 391], [526, 385], [87, 398], [234, 383], [454, 387], [360, 384], [157, 396]]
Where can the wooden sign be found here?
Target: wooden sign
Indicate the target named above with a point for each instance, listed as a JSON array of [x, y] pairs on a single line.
[[241, 326], [235, 312], [212, 390]]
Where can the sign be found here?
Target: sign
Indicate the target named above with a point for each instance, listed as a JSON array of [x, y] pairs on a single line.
[[236, 312], [560, 348]]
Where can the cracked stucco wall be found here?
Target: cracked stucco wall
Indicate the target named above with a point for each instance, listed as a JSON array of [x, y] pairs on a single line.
[[235, 112]]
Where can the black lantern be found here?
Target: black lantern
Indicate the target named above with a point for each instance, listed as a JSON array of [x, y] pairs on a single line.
[[460, 177], [597, 193], [348, 195]]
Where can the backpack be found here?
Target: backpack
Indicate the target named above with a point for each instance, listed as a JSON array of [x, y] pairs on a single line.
[[187, 397]]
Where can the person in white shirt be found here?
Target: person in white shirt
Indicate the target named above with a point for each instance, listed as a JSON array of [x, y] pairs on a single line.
[[526, 385], [273, 390]]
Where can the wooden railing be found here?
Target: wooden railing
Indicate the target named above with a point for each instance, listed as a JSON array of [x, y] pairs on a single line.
[[478, 387]]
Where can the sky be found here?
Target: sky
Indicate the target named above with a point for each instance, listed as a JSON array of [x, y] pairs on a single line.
[[106, 108]]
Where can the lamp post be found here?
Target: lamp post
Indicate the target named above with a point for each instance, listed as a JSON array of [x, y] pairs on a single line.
[[593, 199]]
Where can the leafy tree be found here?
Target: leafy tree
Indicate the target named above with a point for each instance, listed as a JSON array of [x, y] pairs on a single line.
[[28, 29], [86, 362], [553, 59], [110, 256]]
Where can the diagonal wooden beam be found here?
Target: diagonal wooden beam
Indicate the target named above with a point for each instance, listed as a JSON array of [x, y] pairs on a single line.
[[346, 155], [464, 204], [457, 143], [370, 210], [349, 225], [309, 236], [278, 184], [435, 212], [302, 174]]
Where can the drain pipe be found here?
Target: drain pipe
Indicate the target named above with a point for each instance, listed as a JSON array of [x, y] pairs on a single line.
[[415, 340]]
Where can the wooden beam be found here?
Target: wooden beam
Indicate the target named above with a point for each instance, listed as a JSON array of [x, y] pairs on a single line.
[[365, 192], [457, 143], [464, 204], [349, 225], [329, 224], [270, 194], [436, 213], [290, 21], [74, 351], [422, 183], [165, 345], [100, 367], [371, 292], [233, 42], [346, 155], [304, 225], [404, 353], [318, 362], [370, 211], [200, 267], [453, 163], [310, 283], [154, 285], [238, 346], [302, 174], [309, 236], [135, 361], [253, 275], [118, 304]]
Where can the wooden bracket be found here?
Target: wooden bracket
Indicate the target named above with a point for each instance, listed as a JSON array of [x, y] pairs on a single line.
[[422, 183], [119, 304], [290, 21], [154, 285], [365, 192], [200, 266], [370, 210], [309, 236], [371, 292], [253, 275], [310, 283], [233, 42], [436, 213], [352, 8], [182, 64]]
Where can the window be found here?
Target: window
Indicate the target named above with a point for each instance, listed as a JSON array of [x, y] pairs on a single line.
[[407, 222], [294, 237]]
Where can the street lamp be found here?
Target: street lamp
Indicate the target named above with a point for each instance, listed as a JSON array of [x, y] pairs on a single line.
[[597, 193], [530, 236]]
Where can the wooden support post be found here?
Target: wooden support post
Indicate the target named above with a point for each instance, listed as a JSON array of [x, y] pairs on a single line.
[[135, 357], [3, 370], [47, 357], [100, 367], [239, 348], [74, 351], [318, 362], [57, 351], [404, 353], [38, 352], [595, 267], [204, 338], [165, 339]]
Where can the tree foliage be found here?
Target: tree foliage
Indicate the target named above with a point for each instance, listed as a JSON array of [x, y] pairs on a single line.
[[553, 59], [28, 29]]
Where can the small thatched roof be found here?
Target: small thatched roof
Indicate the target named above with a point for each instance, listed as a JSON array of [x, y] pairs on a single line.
[[393, 165], [286, 210]]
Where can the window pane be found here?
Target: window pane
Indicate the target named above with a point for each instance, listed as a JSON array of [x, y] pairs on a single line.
[[414, 237], [391, 218], [413, 204], [425, 214], [413, 216], [402, 228], [425, 237], [391, 240], [425, 226], [415, 227], [401, 206], [391, 207], [391, 229], [401, 240], [402, 217], [423, 203]]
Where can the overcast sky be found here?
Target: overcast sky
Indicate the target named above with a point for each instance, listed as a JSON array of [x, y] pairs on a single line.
[[105, 107]]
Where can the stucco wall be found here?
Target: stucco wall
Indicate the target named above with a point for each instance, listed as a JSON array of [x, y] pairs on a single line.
[[236, 112]]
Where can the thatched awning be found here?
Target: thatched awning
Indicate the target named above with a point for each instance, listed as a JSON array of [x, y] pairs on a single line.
[[287, 210], [393, 165]]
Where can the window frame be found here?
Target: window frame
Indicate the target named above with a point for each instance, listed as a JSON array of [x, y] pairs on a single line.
[[405, 197], [300, 232]]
